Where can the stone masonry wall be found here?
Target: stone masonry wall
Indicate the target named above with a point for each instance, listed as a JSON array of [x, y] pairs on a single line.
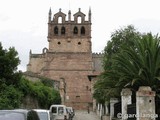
[[74, 68]]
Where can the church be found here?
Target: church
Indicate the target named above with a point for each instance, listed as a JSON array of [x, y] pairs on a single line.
[[69, 58]]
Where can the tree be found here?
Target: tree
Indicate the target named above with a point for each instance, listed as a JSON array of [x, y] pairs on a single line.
[[9, 62], [119, 38], [9, 78], [133, 62], [139, 65], [109, 78], [104, 89], [10, 97], [13, 87]]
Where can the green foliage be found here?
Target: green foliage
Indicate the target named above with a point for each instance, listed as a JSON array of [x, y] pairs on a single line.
[[9, 61], [122, 37], [139, 65], [131, 59], [104, 89], [44, 94], [10, 97], [13, 87], [47, 82], [109, 78]]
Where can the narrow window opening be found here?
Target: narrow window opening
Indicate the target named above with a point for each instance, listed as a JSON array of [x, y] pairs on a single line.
[[75, 31], [63, 30], [56, 30], [82, 31]]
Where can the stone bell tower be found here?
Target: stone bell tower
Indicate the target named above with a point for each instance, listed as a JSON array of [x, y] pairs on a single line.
[[69, 36]]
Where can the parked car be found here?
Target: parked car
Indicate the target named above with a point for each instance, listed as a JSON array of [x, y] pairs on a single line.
[[18, 115], [43, 114], [70, 110], [58, 112]]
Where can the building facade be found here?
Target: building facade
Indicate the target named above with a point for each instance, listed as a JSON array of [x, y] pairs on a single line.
[[69, 58]]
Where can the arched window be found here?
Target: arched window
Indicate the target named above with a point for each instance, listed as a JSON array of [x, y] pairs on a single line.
[[79, 19], [56, 30], [60, 19], [45, 50], [82, 30], [75, 31], [63, 30]]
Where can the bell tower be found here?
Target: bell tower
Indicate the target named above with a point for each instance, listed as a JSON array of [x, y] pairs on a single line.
[[69, 35]]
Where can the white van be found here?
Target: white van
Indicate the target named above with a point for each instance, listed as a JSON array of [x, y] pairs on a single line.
[[58, 112]]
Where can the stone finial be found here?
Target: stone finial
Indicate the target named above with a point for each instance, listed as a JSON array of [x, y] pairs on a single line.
[[50, 12], [49, 16], [69, 15], [145, 88], [145, 91], [30, 52], [89, 15], [113, 100], [69, 12], [126, 92]]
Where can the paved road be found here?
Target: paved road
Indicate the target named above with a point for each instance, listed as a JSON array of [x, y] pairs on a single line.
[[84, 115]]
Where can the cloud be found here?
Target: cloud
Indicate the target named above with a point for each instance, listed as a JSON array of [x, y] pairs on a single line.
[[147, 25], [23, 42], [4, 18]]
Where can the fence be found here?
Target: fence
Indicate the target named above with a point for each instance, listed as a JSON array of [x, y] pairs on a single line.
[[144, 103], [157, 104], [117, 108], [131, 110]]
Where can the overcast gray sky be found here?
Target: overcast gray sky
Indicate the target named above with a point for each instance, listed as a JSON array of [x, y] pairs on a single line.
[[23, 23]]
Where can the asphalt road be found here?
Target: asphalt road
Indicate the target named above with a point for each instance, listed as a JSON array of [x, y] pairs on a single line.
[[84, 115]]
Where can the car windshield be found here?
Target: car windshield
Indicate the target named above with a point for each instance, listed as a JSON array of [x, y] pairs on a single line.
[[43, 115], [12, 116]]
